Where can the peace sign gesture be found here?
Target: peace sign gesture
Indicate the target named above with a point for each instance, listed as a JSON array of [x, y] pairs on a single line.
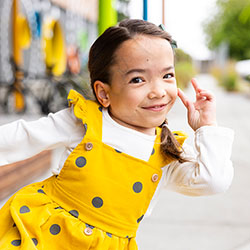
[[202, 112]]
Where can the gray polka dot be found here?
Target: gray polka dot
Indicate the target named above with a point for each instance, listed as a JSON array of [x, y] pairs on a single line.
[[137, 187], [74, 213], [153, 151], [85, 127], [81, 161], [16, 243], [140, 219], [109, 235], [55, 229], [87, 225], [40, 191], [97, 202], [24, 209], [58, 208], [35, 241]]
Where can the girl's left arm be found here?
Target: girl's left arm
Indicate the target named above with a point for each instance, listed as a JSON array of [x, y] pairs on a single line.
[[209, 170]]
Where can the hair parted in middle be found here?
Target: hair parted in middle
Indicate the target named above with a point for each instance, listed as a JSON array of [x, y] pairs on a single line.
[[102, 58]]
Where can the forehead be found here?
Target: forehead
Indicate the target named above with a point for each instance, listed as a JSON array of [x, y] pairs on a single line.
[[144, 50]]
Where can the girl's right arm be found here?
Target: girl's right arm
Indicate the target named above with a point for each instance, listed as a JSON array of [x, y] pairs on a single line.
[[21, 139]]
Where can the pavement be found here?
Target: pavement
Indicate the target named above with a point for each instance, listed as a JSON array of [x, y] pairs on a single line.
[[219, 222]]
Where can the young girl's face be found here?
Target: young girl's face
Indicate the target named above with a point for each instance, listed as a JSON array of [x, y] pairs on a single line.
[[143, 85]]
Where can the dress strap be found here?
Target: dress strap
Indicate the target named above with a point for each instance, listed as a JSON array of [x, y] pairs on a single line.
[[90, 112], [156, 156]]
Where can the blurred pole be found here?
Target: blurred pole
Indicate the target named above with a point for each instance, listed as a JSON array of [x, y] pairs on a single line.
[[163, 12], [145, 10], [17, 53], [107, 15]]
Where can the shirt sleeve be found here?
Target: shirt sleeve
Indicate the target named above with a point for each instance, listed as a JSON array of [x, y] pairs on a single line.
[[209, 169], [21, 139]]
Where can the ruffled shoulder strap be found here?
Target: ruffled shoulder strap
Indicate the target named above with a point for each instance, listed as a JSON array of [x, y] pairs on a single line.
[[180, 136], [157, 158], [88, 111], [79, 102]]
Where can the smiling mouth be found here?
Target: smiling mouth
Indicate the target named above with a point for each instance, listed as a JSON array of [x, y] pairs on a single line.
[[156, 108]]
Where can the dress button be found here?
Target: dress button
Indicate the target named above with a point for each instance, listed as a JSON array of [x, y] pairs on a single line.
[[155, 177], [88, 146], [88, 231]]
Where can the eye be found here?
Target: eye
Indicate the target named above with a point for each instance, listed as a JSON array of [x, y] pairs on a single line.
[[168, 75], [136, 80]]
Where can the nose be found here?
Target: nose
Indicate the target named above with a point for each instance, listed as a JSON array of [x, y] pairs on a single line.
[[157, 90]]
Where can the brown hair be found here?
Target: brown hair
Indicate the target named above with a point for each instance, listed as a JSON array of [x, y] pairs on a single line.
[[102, 57]]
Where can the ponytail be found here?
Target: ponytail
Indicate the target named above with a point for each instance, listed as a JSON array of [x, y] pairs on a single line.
[[170, 147]]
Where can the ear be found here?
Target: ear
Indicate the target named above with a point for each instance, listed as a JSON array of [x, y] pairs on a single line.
[[102, 93]]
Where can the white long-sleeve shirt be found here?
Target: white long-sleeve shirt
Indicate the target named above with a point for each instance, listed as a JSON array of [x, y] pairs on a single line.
[[209, 170]]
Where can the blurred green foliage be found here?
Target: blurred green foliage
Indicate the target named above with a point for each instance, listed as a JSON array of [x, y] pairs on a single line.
[[184, 68], [230, 24], [227, 77]]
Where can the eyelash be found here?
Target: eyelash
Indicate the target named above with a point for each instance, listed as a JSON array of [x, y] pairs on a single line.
[[134, 80], [169, 74]]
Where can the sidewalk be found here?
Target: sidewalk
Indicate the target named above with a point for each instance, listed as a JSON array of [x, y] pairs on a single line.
[[220, 222]]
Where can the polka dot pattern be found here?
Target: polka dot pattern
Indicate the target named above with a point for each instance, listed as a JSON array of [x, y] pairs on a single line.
[[35, 241], [85, 126], [137, 187], [109, 235], [81, 161], [140, 219], [153, 151], [97, 202], [87, 225], [58, 208], [16, 243], [24, 209], [74, 213], [55, 229], [40, 191]]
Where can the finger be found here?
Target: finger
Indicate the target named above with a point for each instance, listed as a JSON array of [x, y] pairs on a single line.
[[187, 103], [182, 96], [204, 94], [195, 86]]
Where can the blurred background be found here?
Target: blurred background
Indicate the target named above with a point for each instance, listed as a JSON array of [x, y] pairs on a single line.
[[44, 52]]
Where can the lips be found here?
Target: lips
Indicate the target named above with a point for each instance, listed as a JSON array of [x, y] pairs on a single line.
[[156, 108]]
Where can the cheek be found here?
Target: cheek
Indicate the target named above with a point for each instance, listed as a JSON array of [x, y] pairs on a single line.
[[173, 92]]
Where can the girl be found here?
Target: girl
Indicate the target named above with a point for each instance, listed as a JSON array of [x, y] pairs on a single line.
[[119, 151]]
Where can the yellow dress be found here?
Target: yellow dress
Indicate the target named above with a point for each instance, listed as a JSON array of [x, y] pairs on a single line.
[[96, 202]]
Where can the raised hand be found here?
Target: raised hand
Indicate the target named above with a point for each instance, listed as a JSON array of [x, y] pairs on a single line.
[[202, 112]]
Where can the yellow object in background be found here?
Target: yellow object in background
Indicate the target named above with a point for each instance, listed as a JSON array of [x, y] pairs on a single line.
[[19, 101], [54, 46], [23, 32]]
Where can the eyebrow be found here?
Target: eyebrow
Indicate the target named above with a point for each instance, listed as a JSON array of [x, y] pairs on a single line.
[[144, 70], [135, 70]]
